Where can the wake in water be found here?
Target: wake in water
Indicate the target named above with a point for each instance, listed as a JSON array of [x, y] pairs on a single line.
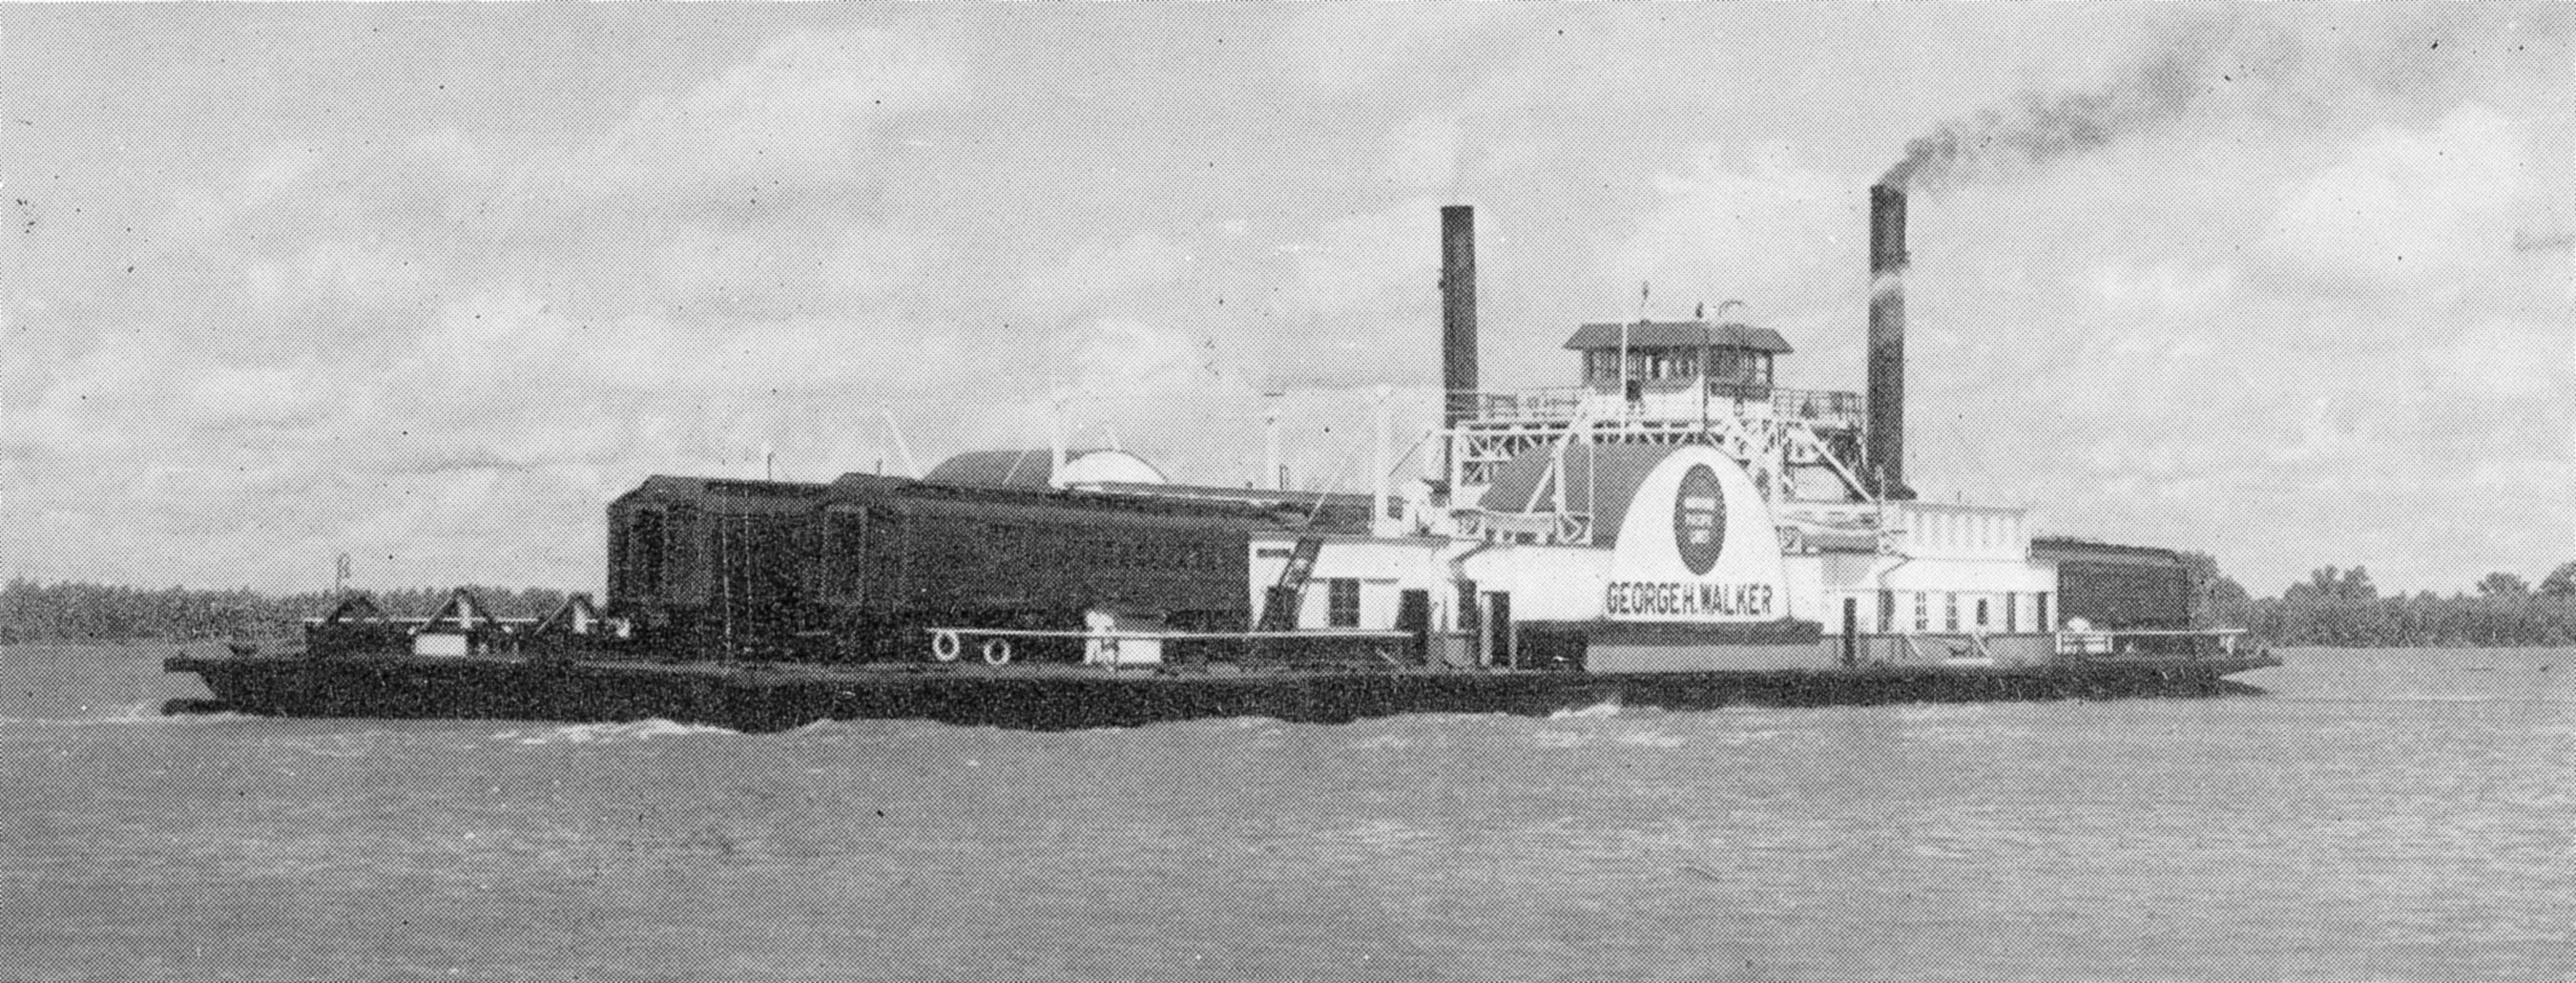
[[1562, 739], [641, 730], [144, 713], [1605, 708]]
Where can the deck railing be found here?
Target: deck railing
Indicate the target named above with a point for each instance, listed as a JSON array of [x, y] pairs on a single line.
[[2038, 648], [1660, 399]]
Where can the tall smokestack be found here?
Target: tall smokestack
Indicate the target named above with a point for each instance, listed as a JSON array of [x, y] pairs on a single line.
[[1887, 261], [1457, 312]]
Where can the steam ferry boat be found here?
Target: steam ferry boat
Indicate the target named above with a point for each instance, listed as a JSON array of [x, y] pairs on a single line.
[[1675, 530]]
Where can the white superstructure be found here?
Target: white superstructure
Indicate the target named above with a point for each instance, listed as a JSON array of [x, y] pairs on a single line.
[[1679, 512]]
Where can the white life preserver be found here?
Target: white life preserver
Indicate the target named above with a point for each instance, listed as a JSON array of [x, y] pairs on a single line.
[[945, 645], [997, 652]]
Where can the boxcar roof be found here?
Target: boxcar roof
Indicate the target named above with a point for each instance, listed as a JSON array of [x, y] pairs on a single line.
[[737, 490], [2064, 548], [902, 494]]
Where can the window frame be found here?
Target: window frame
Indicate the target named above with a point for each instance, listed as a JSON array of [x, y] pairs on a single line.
[[1342, 602]]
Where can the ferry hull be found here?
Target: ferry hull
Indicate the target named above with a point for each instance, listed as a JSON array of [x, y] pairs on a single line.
[[773, 697]]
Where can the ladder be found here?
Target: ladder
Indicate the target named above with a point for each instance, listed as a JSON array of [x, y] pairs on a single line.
[[1279, 608]]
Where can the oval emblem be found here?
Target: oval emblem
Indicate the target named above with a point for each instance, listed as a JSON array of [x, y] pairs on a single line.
[[1699, 519]]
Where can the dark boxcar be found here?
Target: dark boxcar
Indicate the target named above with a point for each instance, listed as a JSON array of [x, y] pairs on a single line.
[[2118, 587], [903, 556], [717, 568], [856, 570]]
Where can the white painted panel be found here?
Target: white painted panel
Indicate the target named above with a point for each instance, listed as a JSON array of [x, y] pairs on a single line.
[[441, 645], [1708, 658], [1650, 577]]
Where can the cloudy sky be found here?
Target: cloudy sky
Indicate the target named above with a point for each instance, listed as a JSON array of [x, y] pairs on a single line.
[[429, 284]]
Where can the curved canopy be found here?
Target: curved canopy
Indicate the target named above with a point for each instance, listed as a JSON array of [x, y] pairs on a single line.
[[1600, 479]]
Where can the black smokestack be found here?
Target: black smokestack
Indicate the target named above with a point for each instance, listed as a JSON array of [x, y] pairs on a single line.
[[1885, 457], [1457, 312]]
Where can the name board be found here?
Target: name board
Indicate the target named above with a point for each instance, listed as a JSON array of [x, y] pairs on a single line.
[[1630, 597], [1696, 546]]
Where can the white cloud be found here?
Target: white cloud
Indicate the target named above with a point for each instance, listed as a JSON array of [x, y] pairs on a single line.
[[2165, 288], [804, 107], [1371, 261], [448, 336], [1348, 49], [1756, 226], [1424, 153], [2414, 209], [1098, 271]]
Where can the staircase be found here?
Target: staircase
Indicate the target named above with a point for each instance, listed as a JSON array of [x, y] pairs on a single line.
[[1279, 607]]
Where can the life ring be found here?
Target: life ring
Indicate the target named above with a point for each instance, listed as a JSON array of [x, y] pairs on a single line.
[[997, 652], [944, 645]]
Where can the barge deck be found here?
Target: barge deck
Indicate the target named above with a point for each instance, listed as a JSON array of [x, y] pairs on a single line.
[[768, 697]]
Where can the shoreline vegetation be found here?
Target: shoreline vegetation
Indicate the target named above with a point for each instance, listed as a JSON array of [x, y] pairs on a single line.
[[2342, 608], [2334, 608], [73, 611]]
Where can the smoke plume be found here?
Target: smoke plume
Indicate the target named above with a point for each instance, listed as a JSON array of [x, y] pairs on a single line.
[[2300, 69], [2191, 64]]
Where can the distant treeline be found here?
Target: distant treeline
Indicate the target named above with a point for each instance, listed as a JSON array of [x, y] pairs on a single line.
[[2407, 622], [2334, 607], [72, 611], [2342, 608]]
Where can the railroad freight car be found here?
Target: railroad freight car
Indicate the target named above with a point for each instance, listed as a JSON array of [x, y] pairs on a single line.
[[856, 570], [712, 567], [2121, 588], [907, 555]]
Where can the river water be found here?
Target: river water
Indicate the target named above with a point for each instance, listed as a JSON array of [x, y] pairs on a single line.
[[2380, 815]]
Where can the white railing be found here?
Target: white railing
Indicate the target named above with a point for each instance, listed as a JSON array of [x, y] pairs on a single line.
[[2145, 643], [1663, 401]]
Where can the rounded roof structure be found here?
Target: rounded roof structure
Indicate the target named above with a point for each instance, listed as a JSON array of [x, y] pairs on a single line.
[[1034, 468]]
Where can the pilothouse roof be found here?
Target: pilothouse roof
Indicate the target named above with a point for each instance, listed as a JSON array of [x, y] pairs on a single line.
[[1679, 334]]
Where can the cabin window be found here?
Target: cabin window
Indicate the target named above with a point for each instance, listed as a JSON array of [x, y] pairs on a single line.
[[1981, 613], [1342, 608], [1922, 611], [1950, 604], [2012, 612]]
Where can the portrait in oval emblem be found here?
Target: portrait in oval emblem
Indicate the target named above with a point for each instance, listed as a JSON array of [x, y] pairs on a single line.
[[1699, 519]]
